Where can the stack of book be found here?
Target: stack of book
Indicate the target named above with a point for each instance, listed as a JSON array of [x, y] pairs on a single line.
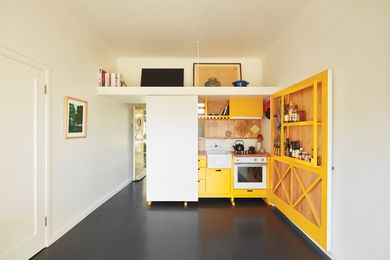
[[107, 79]]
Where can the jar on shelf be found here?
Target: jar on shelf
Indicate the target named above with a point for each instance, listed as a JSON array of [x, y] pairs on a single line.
[[212, 82]]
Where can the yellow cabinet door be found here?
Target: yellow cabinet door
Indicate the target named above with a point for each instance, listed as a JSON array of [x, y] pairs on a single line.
[[201, 173], [218, 181], [249, 107], [202, 161], [201, 187]]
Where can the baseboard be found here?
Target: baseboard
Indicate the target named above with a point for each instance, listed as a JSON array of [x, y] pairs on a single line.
[[73, 222], [305, 236], [333, 256]]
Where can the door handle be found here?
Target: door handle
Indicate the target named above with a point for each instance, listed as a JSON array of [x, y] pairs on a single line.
[[249, 190], [218, 170]]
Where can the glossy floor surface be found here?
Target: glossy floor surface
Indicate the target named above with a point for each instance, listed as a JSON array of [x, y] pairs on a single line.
[[124, 228]]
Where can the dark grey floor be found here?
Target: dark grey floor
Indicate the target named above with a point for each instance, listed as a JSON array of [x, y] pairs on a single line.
[[124, 228]]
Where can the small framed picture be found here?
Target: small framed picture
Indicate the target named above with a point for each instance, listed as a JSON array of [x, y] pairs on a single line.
[[76, 111], [216, 74]]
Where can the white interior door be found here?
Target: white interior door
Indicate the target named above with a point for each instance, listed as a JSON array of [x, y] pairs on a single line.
[[172, 148], [22, 159]]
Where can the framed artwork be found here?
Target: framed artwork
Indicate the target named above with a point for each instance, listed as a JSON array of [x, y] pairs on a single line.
[[213, 73], [76, 111]]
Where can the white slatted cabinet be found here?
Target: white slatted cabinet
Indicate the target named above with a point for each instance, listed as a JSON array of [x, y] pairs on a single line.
[[172, 148]]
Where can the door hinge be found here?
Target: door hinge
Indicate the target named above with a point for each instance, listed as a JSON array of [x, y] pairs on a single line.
[[45, 221], [45, 89]]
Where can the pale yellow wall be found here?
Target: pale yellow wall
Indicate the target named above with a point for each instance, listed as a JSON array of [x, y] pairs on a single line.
[[131, 67], [351, 37], [83, 171]]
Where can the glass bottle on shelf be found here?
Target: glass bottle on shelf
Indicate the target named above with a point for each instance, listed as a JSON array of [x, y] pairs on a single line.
[[290, 111], [311, 155], [277, 146], [318, 159], [300, 153], [301, 114], [286, 116], [287, 147], [294, 114]]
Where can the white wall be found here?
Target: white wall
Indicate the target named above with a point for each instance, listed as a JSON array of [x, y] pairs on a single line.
[[131, 67], [83, 171], [353, 39]]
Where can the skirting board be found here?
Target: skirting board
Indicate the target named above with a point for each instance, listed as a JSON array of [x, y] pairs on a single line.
[[328, 253], [73, 222]]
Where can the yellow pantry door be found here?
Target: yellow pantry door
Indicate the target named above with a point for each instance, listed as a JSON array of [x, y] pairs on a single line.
[[300, 161]]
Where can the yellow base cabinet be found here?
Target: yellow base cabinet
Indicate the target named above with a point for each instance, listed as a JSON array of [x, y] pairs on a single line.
[[201, 187], [250, 193], [201, 181], [202, 162], [201, 173], [217, 183]]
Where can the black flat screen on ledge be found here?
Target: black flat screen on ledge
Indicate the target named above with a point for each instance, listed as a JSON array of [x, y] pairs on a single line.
[[162, 77]]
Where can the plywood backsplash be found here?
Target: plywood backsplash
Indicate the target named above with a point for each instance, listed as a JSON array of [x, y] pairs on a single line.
[[250, 128]]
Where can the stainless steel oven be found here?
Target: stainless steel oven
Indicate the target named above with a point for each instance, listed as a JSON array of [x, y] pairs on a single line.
[[250, 172]]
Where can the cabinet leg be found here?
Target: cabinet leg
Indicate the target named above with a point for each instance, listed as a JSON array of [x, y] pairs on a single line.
[[185, 204], [232, 201], [149, 204]]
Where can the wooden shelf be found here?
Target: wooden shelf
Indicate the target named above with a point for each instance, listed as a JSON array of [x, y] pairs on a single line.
[[292, 160], [301, 123], [136, 94]]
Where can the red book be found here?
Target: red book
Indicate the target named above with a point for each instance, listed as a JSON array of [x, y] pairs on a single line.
[[103, 77]]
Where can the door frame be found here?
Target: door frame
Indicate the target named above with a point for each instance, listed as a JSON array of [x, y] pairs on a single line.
[[14, 55], [133, 136], [133, 121]]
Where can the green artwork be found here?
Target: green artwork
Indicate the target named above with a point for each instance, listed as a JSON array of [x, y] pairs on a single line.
[[75, 118]]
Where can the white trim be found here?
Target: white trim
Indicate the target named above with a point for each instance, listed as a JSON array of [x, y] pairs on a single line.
[[138, 94], [73, 222], [333, 256], [22, 58], [330, 163], [46, 69], [48, 155], [133, 138]]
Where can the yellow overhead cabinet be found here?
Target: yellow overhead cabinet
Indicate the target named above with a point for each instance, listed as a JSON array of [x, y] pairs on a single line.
[[246, 107]]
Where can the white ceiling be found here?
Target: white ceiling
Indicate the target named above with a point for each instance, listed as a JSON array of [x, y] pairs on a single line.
[[225, 28]]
